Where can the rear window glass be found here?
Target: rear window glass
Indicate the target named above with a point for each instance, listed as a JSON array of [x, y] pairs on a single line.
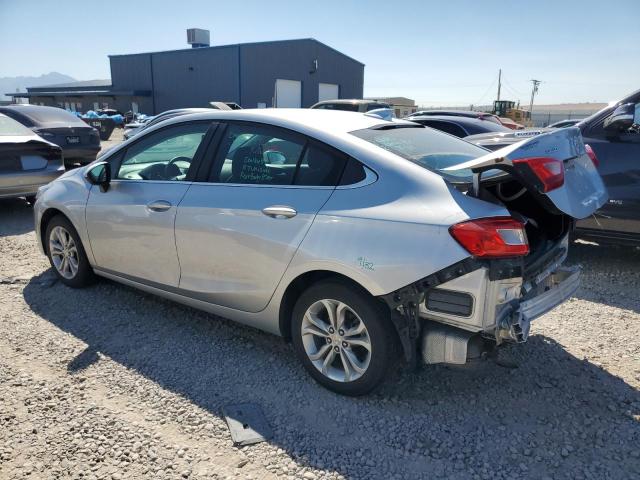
[[347, 107], [9, 127], [428, 148], [44, 115]]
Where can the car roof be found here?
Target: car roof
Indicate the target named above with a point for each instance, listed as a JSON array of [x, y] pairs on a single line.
[[330, 121]]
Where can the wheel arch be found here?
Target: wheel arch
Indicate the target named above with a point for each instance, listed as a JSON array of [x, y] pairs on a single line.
[[46, 217], [299, 284]]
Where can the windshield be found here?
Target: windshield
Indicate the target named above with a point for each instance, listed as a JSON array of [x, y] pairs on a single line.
[[9, 127], [428, 148]]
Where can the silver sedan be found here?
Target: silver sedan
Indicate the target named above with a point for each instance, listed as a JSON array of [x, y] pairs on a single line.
[[361, 240]]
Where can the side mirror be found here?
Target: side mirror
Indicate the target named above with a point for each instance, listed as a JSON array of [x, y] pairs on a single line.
[[100, 174], [621, 119]]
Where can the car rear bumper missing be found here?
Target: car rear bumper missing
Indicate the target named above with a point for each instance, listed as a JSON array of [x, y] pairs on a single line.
[[446, 343]]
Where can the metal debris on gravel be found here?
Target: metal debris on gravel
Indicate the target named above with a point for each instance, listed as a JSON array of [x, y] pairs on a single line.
[[247, 424]]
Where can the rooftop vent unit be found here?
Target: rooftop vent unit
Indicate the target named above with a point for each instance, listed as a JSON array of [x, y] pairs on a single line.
[[197, 37]]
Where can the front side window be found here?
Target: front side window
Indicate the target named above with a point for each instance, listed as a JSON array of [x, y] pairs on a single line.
[[256, 154], [163, 155]]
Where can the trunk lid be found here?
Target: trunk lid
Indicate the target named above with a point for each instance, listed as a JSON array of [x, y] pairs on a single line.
[[582, 191]]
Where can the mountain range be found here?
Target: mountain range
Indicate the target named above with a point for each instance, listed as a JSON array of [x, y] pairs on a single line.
[[13, 84]]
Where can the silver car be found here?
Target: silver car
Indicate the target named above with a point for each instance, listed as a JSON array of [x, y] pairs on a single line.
[[27, 161], [361, 240]]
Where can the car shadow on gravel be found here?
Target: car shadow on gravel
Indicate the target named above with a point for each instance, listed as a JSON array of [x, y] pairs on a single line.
[[16, 217], [546, 416]]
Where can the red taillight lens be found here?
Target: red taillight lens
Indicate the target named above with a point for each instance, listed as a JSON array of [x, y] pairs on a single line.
[[497, 237], [549, 171], [592, 155]]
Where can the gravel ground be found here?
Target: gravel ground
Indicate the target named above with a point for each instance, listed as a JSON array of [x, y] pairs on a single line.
[[111, 383]]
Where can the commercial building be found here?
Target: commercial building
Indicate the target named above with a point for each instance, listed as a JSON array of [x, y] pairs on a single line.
[[287, 73], [402, 106]]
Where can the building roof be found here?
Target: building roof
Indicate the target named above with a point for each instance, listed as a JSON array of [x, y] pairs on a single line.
[[240, 45], [80, 93], [81, 84]]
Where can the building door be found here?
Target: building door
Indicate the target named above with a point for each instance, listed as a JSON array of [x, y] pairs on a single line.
[[328, 91], [288, 93]]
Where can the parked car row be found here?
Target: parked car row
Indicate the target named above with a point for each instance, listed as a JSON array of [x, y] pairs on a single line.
[[80, 142]]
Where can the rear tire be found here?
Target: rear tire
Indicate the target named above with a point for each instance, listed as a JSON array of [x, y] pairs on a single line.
[[66, 253], [343, 337]]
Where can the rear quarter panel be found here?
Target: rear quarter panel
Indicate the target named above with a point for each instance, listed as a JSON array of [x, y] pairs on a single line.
[[391, 233]]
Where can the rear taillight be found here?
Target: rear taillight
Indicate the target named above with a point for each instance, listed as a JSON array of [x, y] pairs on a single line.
[[496, 237], [549, 171], [592, 155]]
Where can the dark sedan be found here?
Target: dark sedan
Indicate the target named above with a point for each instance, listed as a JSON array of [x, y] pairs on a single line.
[[460, 126], [26, 161], [613, 135], [80, 143]]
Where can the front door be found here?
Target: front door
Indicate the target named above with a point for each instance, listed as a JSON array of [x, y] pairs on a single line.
[[619, 157], [131, 225], [237, 232]]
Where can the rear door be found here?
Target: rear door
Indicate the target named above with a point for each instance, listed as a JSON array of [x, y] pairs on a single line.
[[131, 225], [582, 191], [237, 231]]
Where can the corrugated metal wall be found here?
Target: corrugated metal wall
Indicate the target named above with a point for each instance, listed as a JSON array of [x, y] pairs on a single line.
[[193, 78], [262, 64], [244, 74]]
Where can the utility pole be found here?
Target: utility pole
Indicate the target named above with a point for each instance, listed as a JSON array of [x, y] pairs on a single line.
[[534, 90], [499, 81]]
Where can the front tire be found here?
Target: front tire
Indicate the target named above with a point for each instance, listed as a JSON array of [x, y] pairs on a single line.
[[344, 337], [66, 253]]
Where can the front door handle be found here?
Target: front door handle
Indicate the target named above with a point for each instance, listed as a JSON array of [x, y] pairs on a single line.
[[279, 211], [159, 206]]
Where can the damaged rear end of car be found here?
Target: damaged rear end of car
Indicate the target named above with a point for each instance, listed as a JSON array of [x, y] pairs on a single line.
[[515, 271]]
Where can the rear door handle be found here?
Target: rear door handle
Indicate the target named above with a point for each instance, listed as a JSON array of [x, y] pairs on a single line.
[[159, 206], [279, 211]]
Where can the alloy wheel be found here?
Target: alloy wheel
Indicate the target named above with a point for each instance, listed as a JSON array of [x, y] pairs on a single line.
[[64, 252], [336, 340]]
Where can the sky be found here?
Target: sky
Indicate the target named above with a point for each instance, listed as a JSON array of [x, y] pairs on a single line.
[[438, 53]]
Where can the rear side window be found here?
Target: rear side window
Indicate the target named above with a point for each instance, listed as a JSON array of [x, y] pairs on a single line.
[[263, 155], [353, 173], [320, 167]]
